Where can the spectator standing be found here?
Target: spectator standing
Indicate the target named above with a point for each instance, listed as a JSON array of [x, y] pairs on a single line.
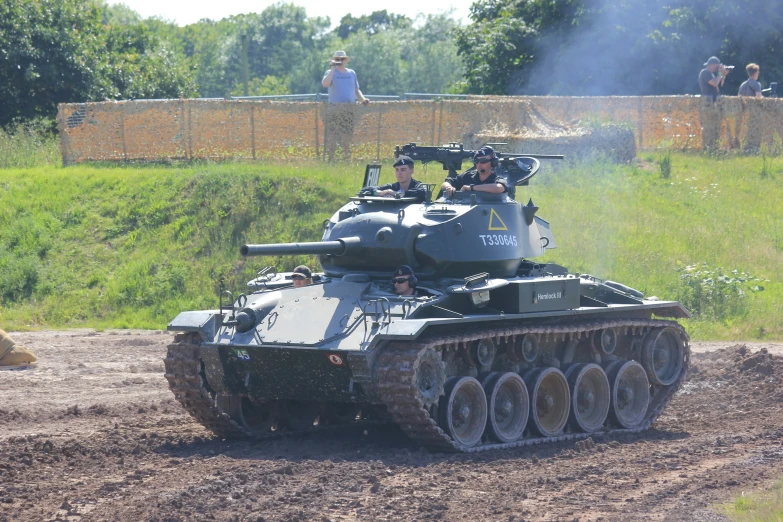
[[340, 115], [711, 79], [751, 86]]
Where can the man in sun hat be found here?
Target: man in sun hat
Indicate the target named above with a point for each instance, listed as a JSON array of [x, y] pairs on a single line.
[[302, 276], [711, 79], [340, 114], [13, 355]]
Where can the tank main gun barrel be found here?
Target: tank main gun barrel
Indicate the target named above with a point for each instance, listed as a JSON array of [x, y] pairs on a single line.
[[337, 248]]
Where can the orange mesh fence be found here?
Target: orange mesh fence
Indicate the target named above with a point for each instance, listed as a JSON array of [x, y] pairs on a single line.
[[246, 129]]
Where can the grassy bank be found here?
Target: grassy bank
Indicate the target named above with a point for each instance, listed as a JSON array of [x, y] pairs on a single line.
[[130, 246]]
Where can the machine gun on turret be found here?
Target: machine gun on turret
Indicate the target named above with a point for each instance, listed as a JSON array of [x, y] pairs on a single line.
[[518, 168]]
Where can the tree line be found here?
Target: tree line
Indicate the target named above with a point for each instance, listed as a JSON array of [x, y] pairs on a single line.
[[54, 51]]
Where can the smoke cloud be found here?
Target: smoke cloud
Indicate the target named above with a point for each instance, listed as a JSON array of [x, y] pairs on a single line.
[[644, 47]]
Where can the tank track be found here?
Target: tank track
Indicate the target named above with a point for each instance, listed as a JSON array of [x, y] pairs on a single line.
[[396, 380], [183, 371]]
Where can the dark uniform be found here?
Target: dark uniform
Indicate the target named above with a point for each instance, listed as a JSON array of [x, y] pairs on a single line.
[[472, 177], [415, 189]]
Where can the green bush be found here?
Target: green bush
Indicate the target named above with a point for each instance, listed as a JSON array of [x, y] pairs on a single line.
[[713, 294], [665, 165], [18, 277]]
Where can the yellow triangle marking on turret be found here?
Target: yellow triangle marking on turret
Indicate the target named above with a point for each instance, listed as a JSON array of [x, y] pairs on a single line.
[[492, 225]]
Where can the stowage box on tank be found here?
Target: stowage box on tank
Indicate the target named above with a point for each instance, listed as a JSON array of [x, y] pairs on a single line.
[[493, 351]]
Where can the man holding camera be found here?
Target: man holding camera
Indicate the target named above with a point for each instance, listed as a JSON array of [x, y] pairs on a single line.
[[711, 79], [343, 87]]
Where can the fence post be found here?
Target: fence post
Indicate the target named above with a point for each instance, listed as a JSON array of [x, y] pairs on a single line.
[[640, 125], [440, 125], [182, 128], [378, 149], [253, 130], [432, 135], [190, 131], [317, 111], [326, 131], [122, 131]]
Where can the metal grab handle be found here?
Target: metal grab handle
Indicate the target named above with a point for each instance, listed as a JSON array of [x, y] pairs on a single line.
[[407, 307]]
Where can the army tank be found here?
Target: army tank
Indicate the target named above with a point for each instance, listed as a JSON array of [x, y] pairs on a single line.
[[493, 351]]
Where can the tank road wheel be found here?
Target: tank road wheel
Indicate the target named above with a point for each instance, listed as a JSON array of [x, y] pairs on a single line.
[[463, 411], [508, 406], [630, 392], [525, 349], [590, 396], [662, 355], [549, 400], [483, 353], [258, 417], [301, 415], [430, 374], [605, 340]]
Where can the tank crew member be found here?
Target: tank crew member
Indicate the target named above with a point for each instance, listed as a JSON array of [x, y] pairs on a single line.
[[404, 281], [12, 354], [405, 184], [482, 179], [302, 276]]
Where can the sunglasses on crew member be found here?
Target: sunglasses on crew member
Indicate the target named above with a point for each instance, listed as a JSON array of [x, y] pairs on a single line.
[[482, 160], [400, 280]]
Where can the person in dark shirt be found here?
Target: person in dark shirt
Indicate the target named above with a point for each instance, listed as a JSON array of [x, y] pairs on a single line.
[[751, 87], [405, 185], [482, 179], [711, 78]]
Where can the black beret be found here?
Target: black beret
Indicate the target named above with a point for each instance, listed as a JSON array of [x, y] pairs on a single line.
[[403, 160], [486, 150], [403, 270], [302, 271]]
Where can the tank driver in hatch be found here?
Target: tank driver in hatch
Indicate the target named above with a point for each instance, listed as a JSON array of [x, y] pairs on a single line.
[[404, 281], [405, 185]]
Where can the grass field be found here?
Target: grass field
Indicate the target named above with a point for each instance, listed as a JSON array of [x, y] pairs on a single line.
[[763, 506], [132, 245]]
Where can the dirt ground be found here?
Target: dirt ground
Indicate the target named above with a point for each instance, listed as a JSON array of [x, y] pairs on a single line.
[[93, 433]]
